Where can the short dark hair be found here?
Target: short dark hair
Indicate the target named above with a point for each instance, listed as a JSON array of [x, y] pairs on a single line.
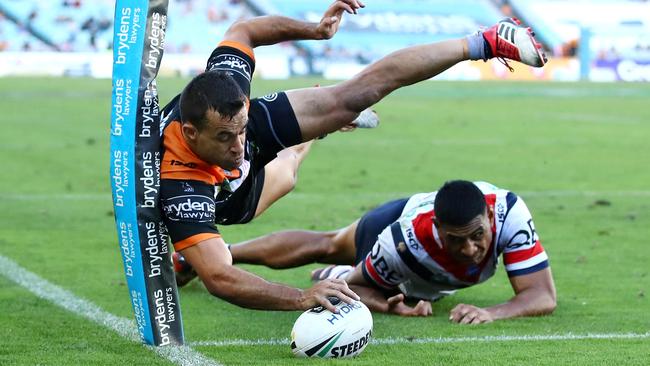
[[215, 90], [458, 202]]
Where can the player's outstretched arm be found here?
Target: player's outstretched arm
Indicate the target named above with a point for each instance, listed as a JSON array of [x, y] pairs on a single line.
[[268, 30], [534, 295], [213, 263], [378, 303]]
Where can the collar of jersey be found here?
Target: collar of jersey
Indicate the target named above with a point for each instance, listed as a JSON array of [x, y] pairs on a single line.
[[180, 162]]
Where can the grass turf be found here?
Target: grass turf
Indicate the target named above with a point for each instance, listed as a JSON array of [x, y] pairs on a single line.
[[577, 154]]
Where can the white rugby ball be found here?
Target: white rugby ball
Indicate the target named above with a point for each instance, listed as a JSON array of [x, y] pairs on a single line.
[[320, 333]]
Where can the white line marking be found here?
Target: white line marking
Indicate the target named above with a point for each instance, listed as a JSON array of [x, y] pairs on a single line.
[[185, 355], [403, 340], [180, 355]]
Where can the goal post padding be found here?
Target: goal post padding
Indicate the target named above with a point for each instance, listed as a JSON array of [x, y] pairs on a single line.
[[135, 147]]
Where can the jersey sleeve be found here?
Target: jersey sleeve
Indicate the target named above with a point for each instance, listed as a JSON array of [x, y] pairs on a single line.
[[382, 266], [188, 211], [237, 59], [523, 252]]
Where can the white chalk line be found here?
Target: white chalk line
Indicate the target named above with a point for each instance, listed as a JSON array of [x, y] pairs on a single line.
[[440, 340], [180, 355], [185, 355]]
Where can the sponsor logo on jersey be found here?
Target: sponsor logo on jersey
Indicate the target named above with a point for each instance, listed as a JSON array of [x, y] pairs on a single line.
[[524, 237], [410, 235], [379, 268], [501, 212], [270, 97], [189, 208], [182, 163], [187, 188], [232, 63]]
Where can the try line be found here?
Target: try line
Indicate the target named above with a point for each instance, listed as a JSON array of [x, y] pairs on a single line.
[[179, 355], [439, 340], [185, 355]]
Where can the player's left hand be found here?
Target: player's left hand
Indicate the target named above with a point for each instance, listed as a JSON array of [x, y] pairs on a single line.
[[396, 305], [469, 314], [331, 20]]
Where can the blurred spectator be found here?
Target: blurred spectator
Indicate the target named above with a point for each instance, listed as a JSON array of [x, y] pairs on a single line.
[[569, 49], [216, 15], [32, 16], [72, 3], [504, 7], [4, 45]]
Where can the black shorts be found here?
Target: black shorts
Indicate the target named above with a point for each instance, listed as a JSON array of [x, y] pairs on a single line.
[[373, 223], [272, 127]]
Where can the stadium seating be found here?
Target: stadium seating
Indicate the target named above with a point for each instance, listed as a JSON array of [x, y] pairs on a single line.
[[16, 37], [195, 26], [619, 24], [603, 29], [383, 27], [82, 25]]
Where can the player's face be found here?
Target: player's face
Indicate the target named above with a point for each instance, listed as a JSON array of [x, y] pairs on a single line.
[[221, 142], [469, 243]]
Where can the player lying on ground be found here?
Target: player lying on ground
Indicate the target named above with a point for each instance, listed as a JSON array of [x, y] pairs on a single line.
[[218, 142], [425, 247]]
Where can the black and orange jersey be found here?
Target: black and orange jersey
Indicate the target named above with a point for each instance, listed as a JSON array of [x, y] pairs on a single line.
[[195, 195]]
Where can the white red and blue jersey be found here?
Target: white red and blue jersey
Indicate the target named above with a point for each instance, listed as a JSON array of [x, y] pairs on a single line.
[[410, 256]]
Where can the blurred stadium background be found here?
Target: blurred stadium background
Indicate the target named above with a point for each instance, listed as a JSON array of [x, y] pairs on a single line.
[[597, 40]]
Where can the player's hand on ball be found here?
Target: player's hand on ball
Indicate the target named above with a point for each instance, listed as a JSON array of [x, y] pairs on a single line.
[[469, 314], [319, 293], [396, 305]]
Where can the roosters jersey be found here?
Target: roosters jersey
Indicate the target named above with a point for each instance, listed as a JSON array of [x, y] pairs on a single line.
[[196, 195], [409, 255]]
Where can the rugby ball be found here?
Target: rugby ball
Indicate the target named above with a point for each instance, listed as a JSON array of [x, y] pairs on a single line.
[[319, 333]]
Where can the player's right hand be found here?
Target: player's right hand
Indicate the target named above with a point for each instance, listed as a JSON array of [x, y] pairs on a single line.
[[319, 293], [331, 20], [470, 314], [396, 305], [349, 6]]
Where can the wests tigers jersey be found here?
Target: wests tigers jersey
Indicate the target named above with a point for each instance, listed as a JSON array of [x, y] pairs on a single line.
[[196, 195], [409, 255]]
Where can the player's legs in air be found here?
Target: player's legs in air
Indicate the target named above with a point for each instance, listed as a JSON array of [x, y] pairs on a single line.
[[324, 110], [327, 109], [281, 175]]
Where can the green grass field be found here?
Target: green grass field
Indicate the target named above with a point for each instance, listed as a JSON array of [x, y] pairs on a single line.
[[579, 155]]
